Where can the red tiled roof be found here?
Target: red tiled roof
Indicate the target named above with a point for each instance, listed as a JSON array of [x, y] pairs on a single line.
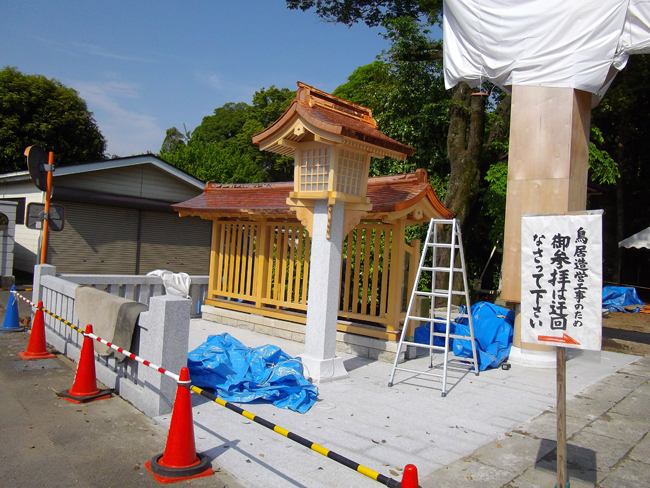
[[386, 193], [336, 116]]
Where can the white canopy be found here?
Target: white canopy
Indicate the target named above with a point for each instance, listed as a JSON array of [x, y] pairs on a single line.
[[639, 240], [553, 43]]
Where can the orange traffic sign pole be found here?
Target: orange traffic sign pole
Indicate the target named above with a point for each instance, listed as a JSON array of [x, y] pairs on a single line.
[[46, 220]]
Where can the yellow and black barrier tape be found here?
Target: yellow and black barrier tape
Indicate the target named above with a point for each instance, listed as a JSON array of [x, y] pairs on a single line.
[[390, 482]]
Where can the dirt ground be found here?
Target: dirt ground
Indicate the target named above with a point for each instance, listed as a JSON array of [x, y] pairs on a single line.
[[628, 333]]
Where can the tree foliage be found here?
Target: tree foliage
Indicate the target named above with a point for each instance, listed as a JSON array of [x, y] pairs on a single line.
[[371, 12], [622, 120], [409, 102], [38, 110], [220, 149]]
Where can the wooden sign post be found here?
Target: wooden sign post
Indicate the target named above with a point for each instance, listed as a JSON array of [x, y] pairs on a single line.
[[561, 294]]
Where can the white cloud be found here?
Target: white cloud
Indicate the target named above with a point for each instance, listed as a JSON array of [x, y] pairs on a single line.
[[79, 48], [126, 130]]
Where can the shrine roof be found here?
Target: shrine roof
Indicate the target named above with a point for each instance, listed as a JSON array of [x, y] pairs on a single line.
[[387, 194], [335, 116]]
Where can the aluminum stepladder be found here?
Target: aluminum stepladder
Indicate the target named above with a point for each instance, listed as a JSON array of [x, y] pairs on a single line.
[[431, 247]]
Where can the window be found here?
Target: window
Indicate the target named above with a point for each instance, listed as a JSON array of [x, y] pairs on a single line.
[[314, 169], [351, 172]]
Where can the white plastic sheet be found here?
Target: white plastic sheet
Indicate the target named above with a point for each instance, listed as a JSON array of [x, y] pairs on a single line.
[[177, 284], [554, 43]]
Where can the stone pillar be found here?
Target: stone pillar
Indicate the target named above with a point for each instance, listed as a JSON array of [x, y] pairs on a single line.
[[41, 270], [7, 236], [547, 173], [323, 295], [164, 338]]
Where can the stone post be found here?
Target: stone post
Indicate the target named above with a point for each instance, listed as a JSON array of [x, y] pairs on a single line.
[[323, 296], [164, 339]]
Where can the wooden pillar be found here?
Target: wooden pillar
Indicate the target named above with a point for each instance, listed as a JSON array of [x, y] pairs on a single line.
[[215, 249], [263, 254], [396, 277], [547, 167]]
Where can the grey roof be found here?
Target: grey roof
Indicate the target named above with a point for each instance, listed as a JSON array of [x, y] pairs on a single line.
[[110, 164]]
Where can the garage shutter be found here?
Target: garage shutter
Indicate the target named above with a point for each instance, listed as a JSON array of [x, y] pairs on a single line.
[[178, 244], [96, 239]]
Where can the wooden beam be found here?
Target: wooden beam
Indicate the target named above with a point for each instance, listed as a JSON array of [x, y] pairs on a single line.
[[547, 166]]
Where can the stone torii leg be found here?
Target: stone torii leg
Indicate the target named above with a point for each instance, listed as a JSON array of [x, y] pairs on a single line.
[[547, 173], [323, 295]]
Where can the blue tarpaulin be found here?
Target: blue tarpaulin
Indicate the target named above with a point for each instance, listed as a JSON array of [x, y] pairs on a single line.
[[493, 329], [242, 374], [422, 334], [617, 297]]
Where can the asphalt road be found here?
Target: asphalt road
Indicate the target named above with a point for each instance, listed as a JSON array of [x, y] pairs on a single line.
[[46, 441]]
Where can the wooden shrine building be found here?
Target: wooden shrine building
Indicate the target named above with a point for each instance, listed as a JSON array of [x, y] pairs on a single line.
[[261, 244]]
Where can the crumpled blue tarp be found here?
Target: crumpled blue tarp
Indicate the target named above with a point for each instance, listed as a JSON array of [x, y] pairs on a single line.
[[617, 297], [493, 329], [242, 374], [422, 334]]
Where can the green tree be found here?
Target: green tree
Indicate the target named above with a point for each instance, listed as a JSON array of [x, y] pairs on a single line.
[[38, 110], [174, 140], [224, 123], [622, 119], [224, 138], [406, 22]]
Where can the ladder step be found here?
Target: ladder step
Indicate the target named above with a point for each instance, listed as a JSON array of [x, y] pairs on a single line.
[[442, 244], [438, 320], [439, 293], [445, 292], [419, 372], [442, 270]]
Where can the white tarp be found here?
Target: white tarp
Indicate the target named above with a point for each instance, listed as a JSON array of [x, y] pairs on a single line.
[[553, 43], [640, 240]]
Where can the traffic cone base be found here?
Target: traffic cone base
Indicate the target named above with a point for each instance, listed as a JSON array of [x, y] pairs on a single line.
[[11, 321], [36, 348], [84, 389], [5, 330], [27, 355], [100, 395], [164, 474]]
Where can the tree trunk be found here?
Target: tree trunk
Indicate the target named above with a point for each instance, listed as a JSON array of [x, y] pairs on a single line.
[[464, 147]]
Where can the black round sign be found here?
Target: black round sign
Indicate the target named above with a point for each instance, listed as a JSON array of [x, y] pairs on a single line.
[[36, 161]]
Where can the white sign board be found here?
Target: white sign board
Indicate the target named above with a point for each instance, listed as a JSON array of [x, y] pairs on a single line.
[[561, 279]]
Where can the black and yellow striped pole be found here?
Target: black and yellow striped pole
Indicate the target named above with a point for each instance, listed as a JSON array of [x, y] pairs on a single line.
[[385, 480], [390, 482]]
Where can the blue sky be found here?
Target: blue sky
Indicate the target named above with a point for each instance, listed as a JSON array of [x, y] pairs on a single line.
[[144, 66]]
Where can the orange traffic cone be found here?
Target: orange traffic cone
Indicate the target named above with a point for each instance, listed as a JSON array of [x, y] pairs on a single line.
[[180, 461], [36, 347], [410, 478], [84, 389]]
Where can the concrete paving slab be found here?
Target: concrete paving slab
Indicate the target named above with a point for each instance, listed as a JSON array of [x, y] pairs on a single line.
[[630, 474], [543, 476], [641, 452], [468, 474], [513, 453], [385, 428], [624, 427], [581, 452]]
